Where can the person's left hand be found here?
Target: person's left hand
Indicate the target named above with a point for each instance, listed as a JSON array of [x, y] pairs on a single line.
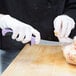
[[63, 25]]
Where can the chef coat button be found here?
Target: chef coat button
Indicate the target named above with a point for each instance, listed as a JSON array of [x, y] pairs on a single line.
[[49, 5], [36, 8]]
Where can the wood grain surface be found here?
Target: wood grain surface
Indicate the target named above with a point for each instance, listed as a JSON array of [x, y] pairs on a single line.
[[40, 60]]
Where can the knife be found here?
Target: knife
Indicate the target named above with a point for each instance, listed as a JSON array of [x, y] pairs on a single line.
[[7, 30], [62, 41]]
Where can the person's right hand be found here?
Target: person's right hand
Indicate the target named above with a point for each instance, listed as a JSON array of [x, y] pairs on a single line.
[[21, 31]]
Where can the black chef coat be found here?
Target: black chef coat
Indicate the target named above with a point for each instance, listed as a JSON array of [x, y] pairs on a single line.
[[37, 13]]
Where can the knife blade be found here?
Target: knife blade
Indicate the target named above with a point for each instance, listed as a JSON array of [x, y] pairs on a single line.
[[61, 42]]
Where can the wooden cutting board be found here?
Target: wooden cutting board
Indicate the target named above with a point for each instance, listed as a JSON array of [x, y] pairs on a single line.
[[40, 60]]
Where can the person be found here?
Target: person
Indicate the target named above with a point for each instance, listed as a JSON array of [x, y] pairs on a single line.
[[50, 19]]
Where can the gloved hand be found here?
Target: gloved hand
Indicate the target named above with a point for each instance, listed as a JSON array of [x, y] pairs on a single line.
[[21, 31], [63, 25]]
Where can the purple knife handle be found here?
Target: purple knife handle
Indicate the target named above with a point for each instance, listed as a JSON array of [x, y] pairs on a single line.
[[32, 40], [6, 30]]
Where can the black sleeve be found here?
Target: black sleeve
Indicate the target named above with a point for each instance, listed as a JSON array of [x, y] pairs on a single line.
[[70, 10]]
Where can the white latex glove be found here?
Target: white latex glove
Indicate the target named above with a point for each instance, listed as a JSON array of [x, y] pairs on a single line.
[[21, 31], [63, 25]]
